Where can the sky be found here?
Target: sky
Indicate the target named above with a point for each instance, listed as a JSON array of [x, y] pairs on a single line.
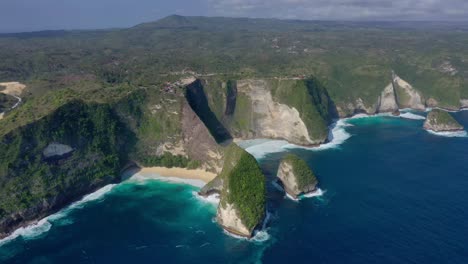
[[33, 15]]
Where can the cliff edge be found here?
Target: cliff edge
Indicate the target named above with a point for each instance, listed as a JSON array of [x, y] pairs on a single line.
[[296, 176]]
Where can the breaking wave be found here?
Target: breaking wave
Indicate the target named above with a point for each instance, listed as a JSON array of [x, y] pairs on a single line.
[[315, 193], [34, 230], [211, 199], [262, 147], [409, 115], [449, 134]]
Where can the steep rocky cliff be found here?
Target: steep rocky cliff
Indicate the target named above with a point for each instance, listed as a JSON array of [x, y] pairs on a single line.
[[241, 185], [262, 108], [407, 95], [387, 100], [39, 176], [441, 121], [81, 146], [296, 176]]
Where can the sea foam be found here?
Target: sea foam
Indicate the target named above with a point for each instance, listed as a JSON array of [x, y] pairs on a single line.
[[449, 134], [337, 136], [259, 236], [316, 193], [34, 230], [409, 115], [260, 148], [211, 199]]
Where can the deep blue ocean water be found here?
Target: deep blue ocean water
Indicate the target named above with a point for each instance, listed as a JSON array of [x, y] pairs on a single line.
[[393, 194]]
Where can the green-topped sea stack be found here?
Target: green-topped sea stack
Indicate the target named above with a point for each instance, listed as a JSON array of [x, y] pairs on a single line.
[[241, 184], [296, 176], [441, 121]]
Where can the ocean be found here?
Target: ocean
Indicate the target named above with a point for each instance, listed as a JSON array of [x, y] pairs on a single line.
[[391, 193]]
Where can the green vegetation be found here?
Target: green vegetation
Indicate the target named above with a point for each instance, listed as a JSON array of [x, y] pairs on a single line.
[[6, 102], [168, 160], [198, 100], [352, 59], [244, 186], [439, 117], [100, 142], [311, 99], [301, 170]]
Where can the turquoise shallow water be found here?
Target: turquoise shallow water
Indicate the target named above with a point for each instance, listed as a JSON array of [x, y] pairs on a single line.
[[393, 194]]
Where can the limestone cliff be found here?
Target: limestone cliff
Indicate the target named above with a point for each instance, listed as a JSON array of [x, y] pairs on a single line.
[[268, 119], [241, 185], [263, 108], [357, 106], [296, 176], [387, 100], [407, 96], [441, 121]]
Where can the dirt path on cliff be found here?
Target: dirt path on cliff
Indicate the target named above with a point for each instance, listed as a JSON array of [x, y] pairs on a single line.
[[14, 89]]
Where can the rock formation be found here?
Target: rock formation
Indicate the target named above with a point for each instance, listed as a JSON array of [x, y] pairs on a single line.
[[407, 96], [56, 150], [441, 121], [241, 185], [296, 176], [269, 118], [387, 100]]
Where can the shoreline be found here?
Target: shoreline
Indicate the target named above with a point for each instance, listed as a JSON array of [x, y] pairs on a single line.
[[180, 173]]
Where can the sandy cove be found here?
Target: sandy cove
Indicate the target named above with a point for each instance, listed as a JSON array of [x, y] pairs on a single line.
[[182, 173]]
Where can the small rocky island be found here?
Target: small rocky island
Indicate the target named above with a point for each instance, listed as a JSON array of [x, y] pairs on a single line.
[[296, 176], [441, 121], [241, 185]]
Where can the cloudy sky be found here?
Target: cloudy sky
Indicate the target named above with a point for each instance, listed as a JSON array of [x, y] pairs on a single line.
[[30, 15]]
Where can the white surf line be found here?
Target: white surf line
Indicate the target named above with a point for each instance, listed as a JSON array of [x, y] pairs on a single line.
[[448, 133], [44, 225], [412, 116]]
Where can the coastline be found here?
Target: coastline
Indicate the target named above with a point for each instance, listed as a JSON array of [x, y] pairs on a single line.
[[195, 177], [181, 173]]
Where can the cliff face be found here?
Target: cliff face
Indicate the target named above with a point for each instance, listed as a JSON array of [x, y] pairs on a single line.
[[440, 121], [241, 185], [387, 100], [262, 108], [39, 176], [407, 96], [296, 176], [269, 118], [198, 143]]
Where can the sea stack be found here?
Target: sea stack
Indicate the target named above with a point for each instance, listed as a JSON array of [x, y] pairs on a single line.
[[242, 189], [441, 121], [296, 176]]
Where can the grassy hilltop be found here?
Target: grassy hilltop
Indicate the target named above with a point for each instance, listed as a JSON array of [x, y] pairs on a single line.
[[110, 95], [353, 60]]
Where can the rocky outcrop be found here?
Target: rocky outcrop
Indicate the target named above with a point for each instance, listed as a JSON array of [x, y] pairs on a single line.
[[27, 193], [230, 220], [407, 96], [387, 100], [464, 103], [356, 107], [241, 185], [441, 121], [268, 119], [198, 142], [198, 101], [56, 150], [295, 176]]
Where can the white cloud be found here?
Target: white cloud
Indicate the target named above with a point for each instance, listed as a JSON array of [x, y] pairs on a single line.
[[344, 9]]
